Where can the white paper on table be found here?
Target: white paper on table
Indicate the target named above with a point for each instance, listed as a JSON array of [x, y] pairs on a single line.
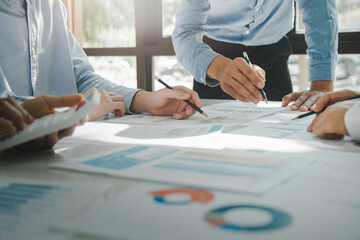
[[153, 211], [252, 170], [233, 112], [27, 206]]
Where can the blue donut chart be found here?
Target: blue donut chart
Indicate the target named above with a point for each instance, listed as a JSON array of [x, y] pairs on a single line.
[[280, 219]]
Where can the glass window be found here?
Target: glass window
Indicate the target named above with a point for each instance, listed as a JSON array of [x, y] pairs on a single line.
[[347, 72], [349, 14], [119, 70], [169, 13], [108, 23], [172, 72]]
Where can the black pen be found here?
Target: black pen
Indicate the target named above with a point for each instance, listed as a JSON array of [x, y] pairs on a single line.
[[187, 101], [247, 59], [312, 112]]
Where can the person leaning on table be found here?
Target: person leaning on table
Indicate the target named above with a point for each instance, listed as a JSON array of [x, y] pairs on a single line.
[[339, 119], [15, 116], [39, 55], [211, 35]]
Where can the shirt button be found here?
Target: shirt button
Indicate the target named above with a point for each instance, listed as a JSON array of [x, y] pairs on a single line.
[[247, 32], [257, 9]]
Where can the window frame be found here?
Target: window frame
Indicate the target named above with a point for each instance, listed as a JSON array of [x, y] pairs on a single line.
[[150, 42]]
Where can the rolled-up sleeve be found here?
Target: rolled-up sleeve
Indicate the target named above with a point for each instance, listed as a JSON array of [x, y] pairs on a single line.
[[321, 35], [187, 37]]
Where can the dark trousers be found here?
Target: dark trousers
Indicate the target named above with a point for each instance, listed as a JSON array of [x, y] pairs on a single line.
[[272, 58]]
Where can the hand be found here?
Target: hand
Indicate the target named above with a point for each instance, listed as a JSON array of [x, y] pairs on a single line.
[[13, 116], [333, 97], [166, 102], [238, 79], [44, 105], [109, 102], [331, 122], [307, 99]]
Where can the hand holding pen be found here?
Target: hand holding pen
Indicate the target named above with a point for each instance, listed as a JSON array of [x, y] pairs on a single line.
[[247, 59], [192, 105]]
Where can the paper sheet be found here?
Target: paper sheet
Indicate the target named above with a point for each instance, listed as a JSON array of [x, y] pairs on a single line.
[[27, 207], [152, 211], [253, 171], [233, 112]]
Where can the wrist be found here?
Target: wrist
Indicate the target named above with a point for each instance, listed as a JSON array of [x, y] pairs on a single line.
[[322, 85], [140, 102], [217, 66]]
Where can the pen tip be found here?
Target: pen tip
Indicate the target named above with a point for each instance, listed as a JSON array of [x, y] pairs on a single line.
[[295, 118], [156, 77], [204, 114], [265, 99]]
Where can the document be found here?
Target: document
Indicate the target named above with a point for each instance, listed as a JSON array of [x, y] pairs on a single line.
[[27, 207], [154, 211], [251, 170], [234, 112]]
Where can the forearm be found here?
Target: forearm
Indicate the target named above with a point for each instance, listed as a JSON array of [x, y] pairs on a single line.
[[217, 66], [322, 85], [187, 37]]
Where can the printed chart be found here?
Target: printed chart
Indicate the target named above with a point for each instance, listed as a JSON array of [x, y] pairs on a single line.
[[254, 172], [27, 207]]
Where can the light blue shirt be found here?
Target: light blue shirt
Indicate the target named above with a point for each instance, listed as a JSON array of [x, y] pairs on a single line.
[[39, 54], [254, 23]]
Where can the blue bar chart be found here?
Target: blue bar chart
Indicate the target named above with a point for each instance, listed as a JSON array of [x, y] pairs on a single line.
[[21, 202]]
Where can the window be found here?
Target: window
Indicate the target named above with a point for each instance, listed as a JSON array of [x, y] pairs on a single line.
[[129, 41], [348, 66], [108, 23], [169, 13]]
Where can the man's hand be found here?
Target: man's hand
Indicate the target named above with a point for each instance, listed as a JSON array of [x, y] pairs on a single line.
[[333, 97], [166, 102], [237, 78], [331, 122], [44, 105], [13, 116], [109, 102], [307, 99]]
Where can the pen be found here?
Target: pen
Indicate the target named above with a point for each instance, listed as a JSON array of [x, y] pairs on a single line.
[[312, 112], [187, 101], [247, 59]]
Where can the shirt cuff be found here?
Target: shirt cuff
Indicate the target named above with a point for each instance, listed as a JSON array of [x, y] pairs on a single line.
[[201, 72], [322, 71], [128, 100], [352, 119]]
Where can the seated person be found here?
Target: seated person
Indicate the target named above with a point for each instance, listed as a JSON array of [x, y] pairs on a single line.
[[15, 117], [339, 119], [39, 55]]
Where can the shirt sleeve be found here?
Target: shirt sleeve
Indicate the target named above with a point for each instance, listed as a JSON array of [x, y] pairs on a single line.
[[321, 35], [352, 120], [187, 37], [86, 78]]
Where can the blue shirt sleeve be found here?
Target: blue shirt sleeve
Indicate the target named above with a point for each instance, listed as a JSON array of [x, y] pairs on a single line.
[[85, 75], [321, 35], [187, 37]]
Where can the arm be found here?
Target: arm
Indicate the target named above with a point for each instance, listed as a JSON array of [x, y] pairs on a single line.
[[187, 37], [86, 78], [234, 76], [321, 35]]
